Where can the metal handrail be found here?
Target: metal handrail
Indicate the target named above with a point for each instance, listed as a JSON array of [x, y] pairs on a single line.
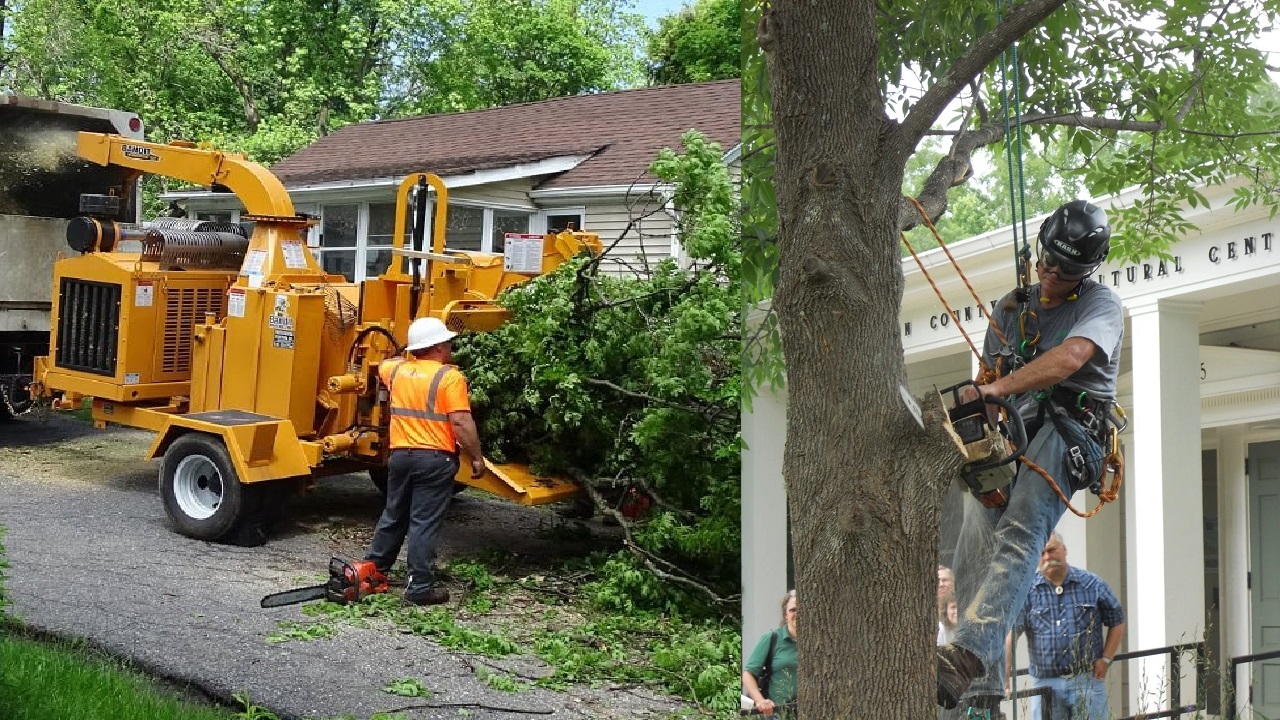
[[1230, 702], [1176, 708]]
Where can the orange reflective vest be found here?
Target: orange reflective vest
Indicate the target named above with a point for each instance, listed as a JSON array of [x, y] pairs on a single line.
[[423, 393]]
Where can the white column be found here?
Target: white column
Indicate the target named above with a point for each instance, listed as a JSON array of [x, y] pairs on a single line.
[[1166, 588], [764, 516], [1233, 556]]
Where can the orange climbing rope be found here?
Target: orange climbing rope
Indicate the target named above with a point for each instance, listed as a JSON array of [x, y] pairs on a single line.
[[1113, 463]]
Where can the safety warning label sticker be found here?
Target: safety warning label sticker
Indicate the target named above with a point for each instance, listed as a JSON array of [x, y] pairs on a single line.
[[283, 339], [293, 255], [144, 294], [235, 302], [522, 253], [253, 262]]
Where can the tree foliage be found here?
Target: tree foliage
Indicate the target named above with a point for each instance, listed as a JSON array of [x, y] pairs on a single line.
[[701, 42], [983, 203], [631, 383], [269, 76]]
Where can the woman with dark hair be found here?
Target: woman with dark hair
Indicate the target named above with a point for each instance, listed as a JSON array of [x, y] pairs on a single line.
[[769, 678]]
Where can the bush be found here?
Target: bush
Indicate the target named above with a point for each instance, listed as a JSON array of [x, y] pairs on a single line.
[[631, 384]]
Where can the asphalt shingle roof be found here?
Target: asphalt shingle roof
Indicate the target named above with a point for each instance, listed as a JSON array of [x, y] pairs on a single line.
[[621, 131]]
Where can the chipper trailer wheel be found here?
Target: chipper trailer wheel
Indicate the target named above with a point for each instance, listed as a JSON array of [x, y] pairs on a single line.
[[203, 496]]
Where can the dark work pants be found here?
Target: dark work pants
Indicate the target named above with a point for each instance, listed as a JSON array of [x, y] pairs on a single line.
[[419, 486]]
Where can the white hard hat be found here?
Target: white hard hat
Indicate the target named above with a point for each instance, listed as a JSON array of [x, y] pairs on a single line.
[[427, 331]]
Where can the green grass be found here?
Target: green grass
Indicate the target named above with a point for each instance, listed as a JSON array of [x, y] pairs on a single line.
[[40, 681]]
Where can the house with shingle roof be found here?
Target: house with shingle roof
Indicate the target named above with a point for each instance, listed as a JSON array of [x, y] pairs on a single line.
[[527, 168]]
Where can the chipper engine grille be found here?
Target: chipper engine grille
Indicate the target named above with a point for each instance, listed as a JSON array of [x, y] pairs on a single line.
[[88, 326], [186, 307]]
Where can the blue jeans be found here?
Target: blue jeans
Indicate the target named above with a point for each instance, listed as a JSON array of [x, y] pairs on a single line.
[[1079, 697], [999, 549], [419, 486]]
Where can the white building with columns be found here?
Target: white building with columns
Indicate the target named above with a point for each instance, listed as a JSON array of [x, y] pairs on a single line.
[[1192, 547]]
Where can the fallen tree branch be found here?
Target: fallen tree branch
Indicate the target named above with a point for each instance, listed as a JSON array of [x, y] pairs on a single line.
[[672, 573], [712, 413]]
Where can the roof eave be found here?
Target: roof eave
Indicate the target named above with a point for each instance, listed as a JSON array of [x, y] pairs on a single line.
[[519, 171]]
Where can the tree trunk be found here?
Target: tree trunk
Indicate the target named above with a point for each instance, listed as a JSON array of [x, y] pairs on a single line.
[[865, 483]]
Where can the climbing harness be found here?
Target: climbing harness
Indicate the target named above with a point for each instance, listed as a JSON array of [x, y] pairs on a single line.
[[1103, 420]]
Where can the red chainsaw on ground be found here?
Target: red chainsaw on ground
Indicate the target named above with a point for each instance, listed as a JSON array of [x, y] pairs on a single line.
[[349, 582]]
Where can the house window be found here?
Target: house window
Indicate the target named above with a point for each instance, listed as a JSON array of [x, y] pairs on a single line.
[[464, 228], [557, 222], [505, 221], [382, 226], [338, 236], [222, 216]]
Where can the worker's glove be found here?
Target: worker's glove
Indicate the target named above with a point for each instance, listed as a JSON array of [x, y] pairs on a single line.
[[477, 467]]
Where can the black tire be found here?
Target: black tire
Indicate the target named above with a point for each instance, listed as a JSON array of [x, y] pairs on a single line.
[[204, 497]]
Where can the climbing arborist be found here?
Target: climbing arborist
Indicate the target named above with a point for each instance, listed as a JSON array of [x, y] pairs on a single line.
[[1057, 364]]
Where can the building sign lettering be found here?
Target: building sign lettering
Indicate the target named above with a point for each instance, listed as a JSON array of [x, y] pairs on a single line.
[[1252, 247]]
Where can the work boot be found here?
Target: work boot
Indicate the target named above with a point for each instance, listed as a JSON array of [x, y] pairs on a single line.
[[433, 596], [985, 707], [956, 668]]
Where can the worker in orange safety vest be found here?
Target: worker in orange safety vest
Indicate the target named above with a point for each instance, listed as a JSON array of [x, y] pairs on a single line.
[[430, 422]]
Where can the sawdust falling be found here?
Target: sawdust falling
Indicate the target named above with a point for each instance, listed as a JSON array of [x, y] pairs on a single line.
[[28, 157]]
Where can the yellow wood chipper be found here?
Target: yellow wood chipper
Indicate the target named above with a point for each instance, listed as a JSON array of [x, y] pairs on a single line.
[[255, 368]]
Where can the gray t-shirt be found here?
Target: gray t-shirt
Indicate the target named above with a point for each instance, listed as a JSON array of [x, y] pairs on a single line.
[[1095, 315]]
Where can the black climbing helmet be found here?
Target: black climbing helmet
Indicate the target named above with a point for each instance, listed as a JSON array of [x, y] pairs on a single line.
[[1076, 237]]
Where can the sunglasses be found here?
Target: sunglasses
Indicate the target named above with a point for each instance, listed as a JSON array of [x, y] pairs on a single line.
[[1063, 271]]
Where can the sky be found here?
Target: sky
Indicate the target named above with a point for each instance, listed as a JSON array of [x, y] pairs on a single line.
[[654, 9]]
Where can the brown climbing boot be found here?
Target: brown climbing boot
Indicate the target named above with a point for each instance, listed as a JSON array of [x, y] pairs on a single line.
[[956, 668]]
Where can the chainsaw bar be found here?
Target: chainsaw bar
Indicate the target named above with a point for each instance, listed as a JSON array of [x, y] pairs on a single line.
[[297, 595]]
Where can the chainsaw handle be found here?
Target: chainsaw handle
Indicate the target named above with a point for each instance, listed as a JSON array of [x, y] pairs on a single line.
[[1017, 429]]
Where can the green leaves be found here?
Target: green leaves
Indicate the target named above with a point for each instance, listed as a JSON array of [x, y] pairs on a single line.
[[407, 687], [633, 381], [697, 44], [266, 77]]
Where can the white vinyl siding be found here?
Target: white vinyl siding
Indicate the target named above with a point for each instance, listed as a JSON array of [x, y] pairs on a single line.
[[512, 194]]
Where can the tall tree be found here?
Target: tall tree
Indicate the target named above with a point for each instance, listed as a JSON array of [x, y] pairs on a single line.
[[701, 42], [1150, 93], [501, 52]]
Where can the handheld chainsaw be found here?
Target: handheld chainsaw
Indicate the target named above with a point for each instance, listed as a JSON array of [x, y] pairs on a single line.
[[349, 582], [991, 446]]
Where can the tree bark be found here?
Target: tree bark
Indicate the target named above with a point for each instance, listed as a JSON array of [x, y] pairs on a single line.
[[865, 483]]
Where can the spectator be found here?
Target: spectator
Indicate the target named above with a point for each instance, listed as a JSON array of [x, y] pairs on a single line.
[[769, 678], [948, 618], [946, 586], [1063, 621]]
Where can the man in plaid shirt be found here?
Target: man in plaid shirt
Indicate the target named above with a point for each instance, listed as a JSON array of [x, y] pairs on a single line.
[[1063, 620]]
